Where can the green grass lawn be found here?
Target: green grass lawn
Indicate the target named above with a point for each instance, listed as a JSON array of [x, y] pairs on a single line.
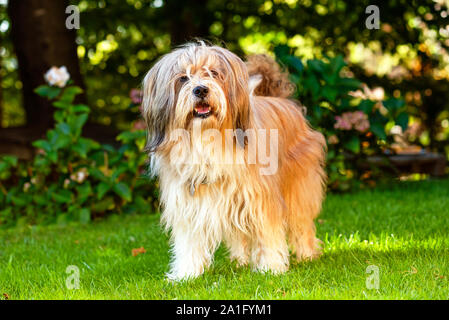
[[402, 229]]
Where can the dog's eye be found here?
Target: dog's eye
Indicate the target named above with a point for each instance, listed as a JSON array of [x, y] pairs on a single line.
[[214, 73], [184, 79]]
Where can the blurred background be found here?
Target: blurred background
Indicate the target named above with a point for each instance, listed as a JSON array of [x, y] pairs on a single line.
[[119, 40], [375, 93]]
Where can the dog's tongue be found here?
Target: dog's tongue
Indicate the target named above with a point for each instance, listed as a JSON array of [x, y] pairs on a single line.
[[202, 108]]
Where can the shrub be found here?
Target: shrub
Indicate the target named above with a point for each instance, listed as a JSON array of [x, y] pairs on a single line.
[[353, 121], [73, 178]]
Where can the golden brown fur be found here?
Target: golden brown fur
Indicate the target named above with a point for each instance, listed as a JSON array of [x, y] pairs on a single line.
[[253, 206], [274, 81]]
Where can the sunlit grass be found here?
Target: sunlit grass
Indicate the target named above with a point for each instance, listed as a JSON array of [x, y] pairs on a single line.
[[402, 229]]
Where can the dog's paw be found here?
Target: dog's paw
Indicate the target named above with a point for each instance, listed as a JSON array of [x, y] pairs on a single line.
[[276, 264], [174, 278], [241, 260], [182, 275], [274, 268], [310, 252]]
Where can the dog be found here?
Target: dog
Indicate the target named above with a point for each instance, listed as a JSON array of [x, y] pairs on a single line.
[[220, 194]]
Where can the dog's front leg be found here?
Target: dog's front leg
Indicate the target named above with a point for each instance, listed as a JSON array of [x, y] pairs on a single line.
[[192, 253], [270, 251]]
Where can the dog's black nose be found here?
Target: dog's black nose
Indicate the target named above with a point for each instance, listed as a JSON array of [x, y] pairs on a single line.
[[200, 91]]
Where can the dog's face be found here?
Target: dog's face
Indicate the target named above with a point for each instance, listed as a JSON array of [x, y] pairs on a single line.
[[196, 82]]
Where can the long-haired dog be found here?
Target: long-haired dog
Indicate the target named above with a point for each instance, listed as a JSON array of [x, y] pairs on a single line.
[[212, 120]]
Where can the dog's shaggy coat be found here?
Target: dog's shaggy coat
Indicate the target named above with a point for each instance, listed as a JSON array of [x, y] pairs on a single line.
[[206, 200]]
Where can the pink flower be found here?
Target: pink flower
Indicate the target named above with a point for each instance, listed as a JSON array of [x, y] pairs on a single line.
[[342, 123], [352, 120], [139, 125], [136, 96], [26, 186], [360, 121], [362, 125]]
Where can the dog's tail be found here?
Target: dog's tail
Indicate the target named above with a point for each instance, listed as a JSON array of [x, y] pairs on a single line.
[[266, 78]]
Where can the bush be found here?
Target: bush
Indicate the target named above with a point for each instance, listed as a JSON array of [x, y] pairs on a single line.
[[73, 178], [353, 121]]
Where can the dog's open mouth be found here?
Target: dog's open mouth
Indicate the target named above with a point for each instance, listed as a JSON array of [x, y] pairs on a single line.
[[202, 110]]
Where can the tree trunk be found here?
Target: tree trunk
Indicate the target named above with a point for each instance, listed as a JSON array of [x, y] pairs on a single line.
[[189, 19], [41, 40]]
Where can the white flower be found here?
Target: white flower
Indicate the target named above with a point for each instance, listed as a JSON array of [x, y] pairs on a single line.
[[57, 76], [80, 176], [377, 94], [396, 130]]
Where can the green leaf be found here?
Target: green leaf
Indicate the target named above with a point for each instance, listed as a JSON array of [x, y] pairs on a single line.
[[77, 122], [59, 116], [48, 92], [366, 106], [83, 146], [281, 51], [393, 104], [317, 112], [20, 201], [62, 141], [379, 130], [6, 214], [102, 189], [53, 156], [80, 148], [379, 118], [4, 166], [330, 93], [61, 104], [40, 199], [84, 191], [353, 144], [313, 85], [62, 196], [348, 84], [294, 63], [316, 65], [337, 64], [70, 93], [43, 144], [123, 191], [81, 108], [12, 160], [122, 168], [64, 128], [104, 205], [402, 120], [97, 174]]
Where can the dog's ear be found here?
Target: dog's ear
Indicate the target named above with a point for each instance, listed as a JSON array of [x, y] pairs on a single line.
[[157, 98], [240, 106], [238, 90]]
